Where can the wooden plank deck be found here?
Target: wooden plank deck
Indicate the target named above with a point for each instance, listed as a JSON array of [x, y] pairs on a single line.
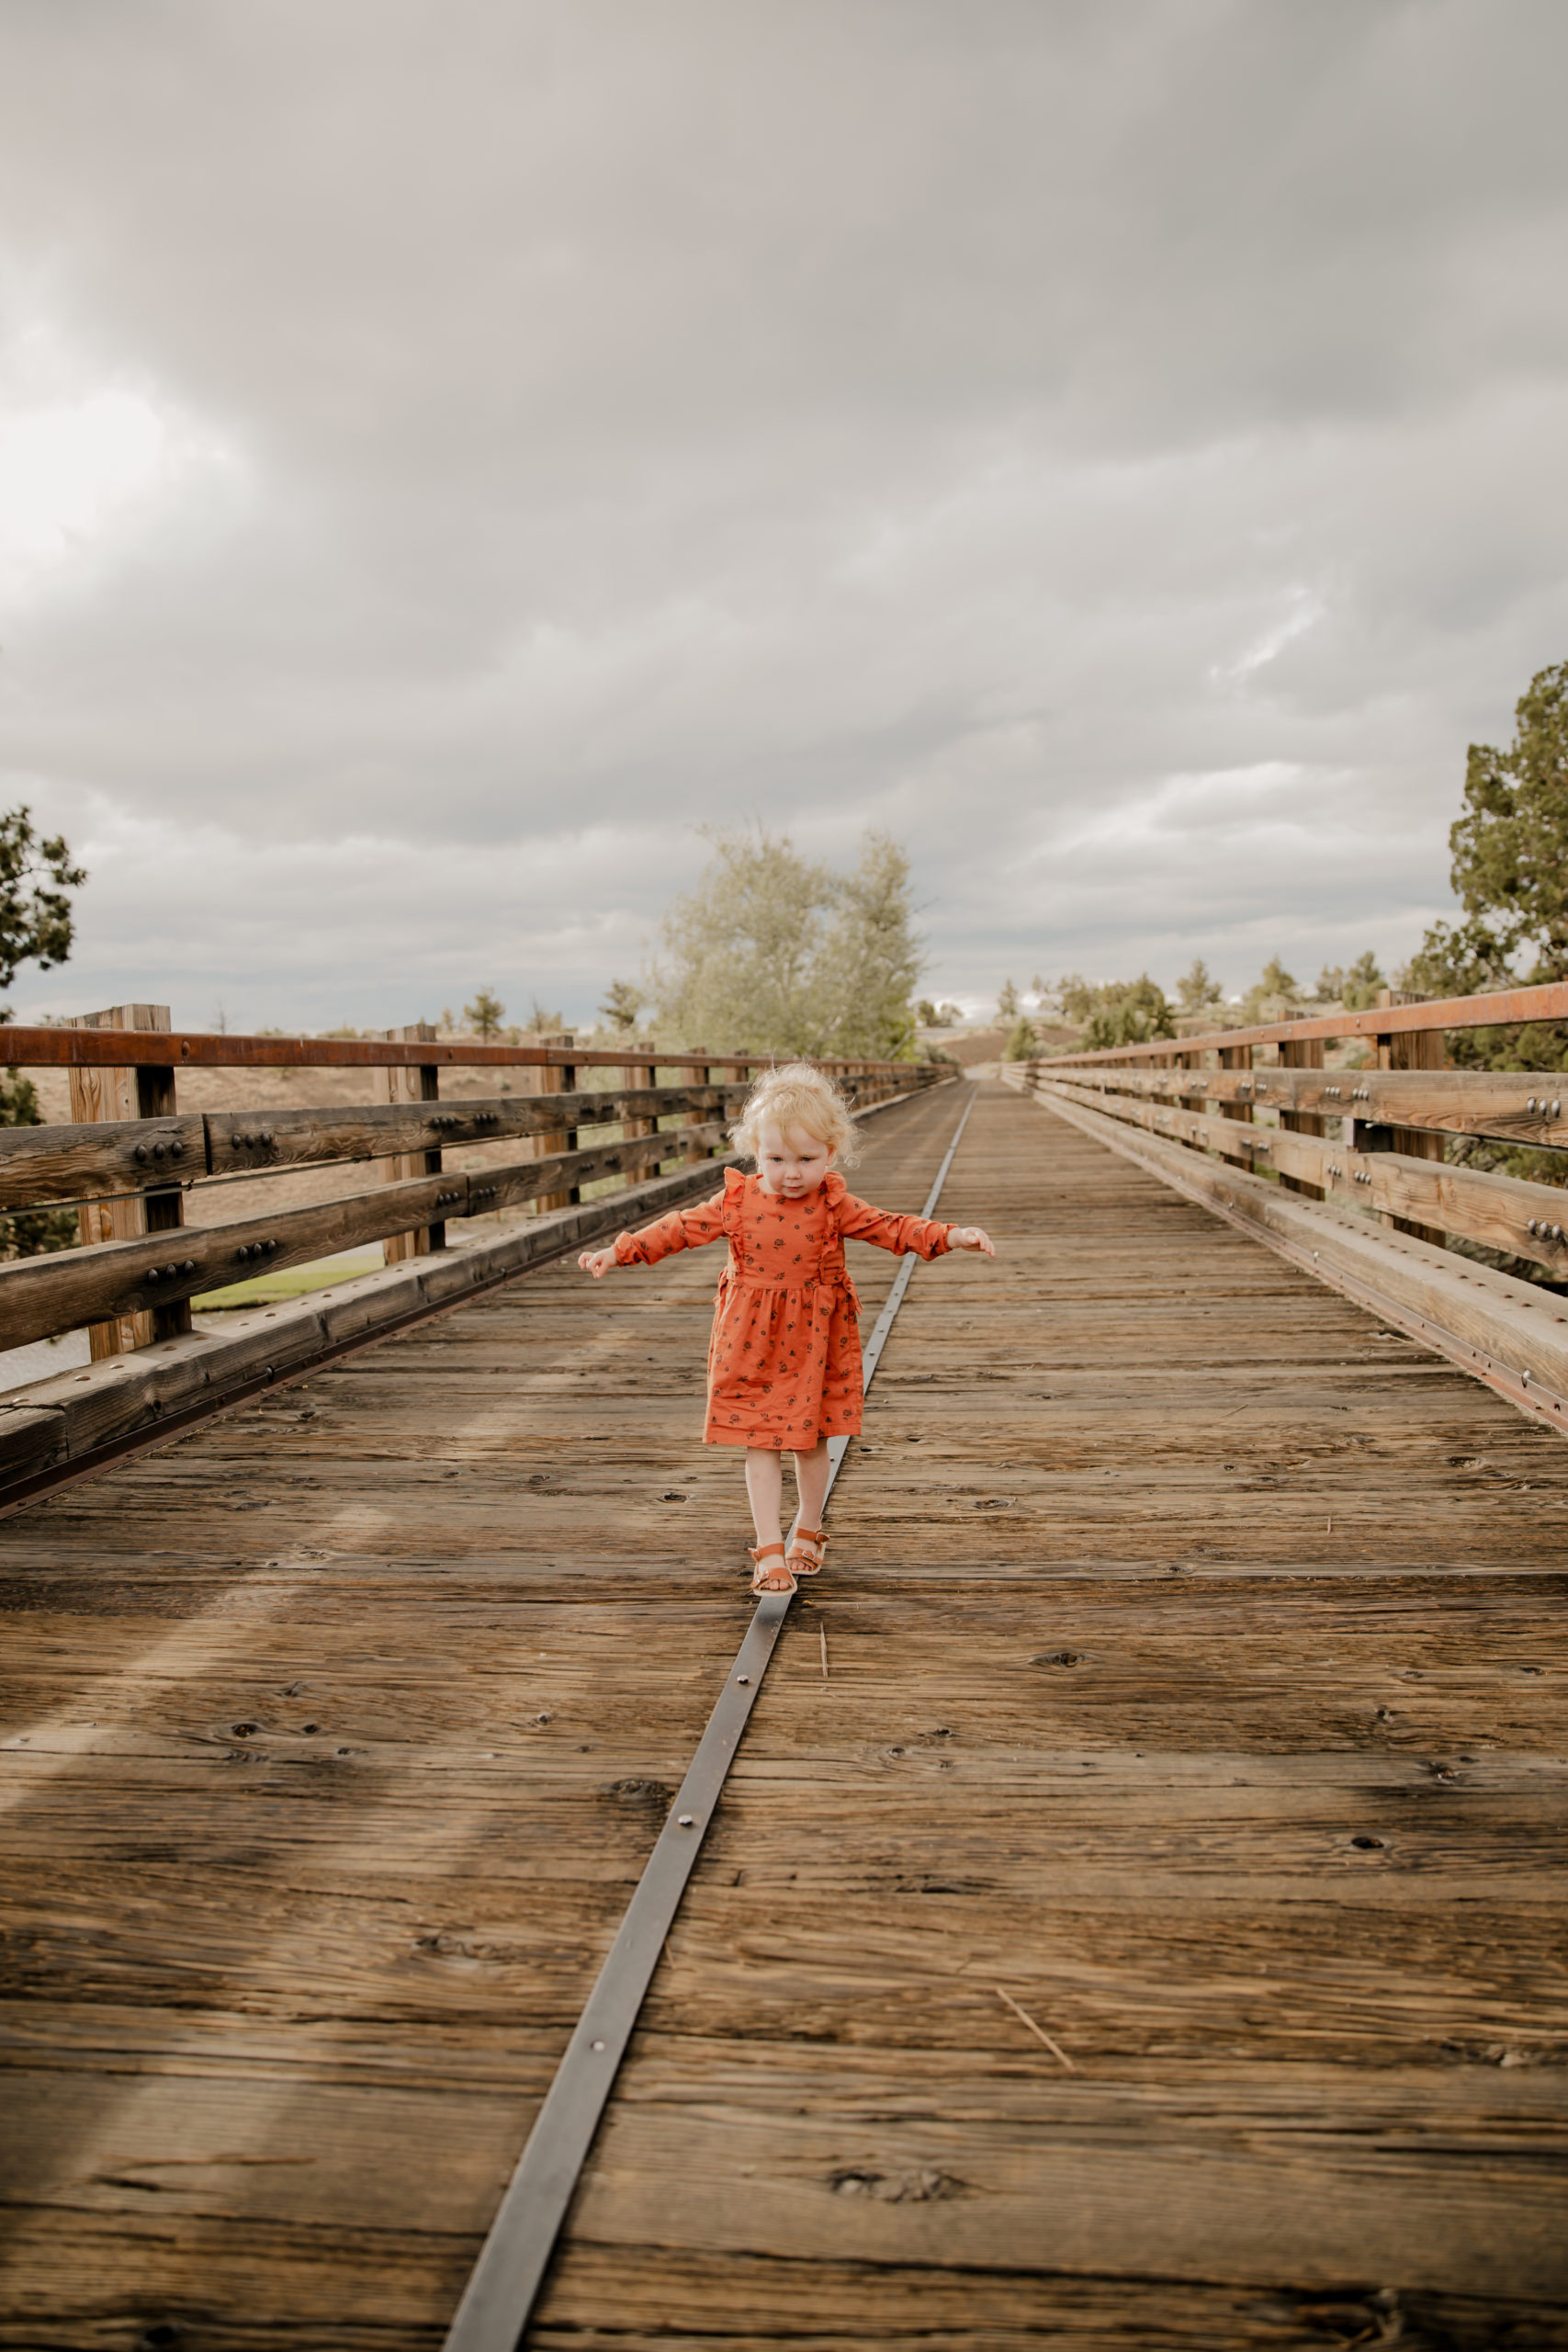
[[335, 1735]]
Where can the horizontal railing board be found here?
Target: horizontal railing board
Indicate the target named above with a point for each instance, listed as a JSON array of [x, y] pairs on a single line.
[[1506, 1008], [65, 1163], [1449, 1101], [70, 1163], [73, 1422], [42, 1296], [1467, 1202], [72, 1418], [1502, 1330], [253, 1142], [39, 1164], [51, 1048]]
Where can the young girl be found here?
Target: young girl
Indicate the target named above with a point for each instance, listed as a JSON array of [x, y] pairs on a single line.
[[784, 1357]]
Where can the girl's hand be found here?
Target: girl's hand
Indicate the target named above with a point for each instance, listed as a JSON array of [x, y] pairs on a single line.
[[597, 1262], [970, 1237]]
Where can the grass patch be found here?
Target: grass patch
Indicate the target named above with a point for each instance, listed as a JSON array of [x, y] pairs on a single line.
[[289, 1282]]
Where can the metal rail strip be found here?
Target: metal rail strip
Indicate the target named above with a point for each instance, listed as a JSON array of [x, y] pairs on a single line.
[[507, 2276]]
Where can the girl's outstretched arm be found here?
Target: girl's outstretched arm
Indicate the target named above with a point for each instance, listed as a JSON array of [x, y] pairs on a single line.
[[928, 1237], [690, 1228]]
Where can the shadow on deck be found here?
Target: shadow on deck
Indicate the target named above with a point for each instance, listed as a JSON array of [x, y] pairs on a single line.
[[1193, 1679]]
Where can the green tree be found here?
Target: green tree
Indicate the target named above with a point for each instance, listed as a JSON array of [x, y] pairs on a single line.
[[1510, 845], [740, 949], [1022, 1041], [1079, 998], [1362, 984], [1509, 871], [925, 1013], [1198, 988], [869, 961], [1129, 1012], [1007, 1002], [771, 953], [486, 1013], [622, 1004], [36, 923], [25, 1233], [36, 926]]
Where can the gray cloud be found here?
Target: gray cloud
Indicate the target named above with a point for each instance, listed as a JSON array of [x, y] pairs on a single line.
[[467, 447]]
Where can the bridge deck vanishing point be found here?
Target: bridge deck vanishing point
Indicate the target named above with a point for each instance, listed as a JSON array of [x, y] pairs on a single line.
[[1193, 1679]]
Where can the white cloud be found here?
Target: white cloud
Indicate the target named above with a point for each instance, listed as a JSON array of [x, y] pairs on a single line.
[[1118, 451]]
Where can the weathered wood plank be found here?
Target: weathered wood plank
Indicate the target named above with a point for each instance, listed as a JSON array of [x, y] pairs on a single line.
[[1515, 1106], [1504, 1212], [117, 1095], [39, 1164], [42, 1295], [67, 1163], [414, 1083], [489, 1560]]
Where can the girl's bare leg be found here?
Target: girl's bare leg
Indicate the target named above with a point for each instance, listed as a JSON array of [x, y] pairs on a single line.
[[811, 1482], [764, 1492]]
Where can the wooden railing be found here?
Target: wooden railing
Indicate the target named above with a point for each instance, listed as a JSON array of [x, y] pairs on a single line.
[[132, 1161], [1371, 1134]]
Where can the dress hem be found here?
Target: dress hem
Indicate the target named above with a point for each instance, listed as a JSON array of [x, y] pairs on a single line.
[[766, 1439]]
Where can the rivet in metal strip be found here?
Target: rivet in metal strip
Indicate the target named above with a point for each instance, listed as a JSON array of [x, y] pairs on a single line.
[[685, 1820]]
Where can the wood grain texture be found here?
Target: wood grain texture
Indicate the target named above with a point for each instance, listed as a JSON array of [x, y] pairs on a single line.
[[1512, 1334], [42, 1296], [319, 1807], [124, 1156], [117, 1096], [1515, 1105], [1418, 1195]]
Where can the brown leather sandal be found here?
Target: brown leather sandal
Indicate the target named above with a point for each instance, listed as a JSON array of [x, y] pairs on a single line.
[[800, 1562], [770, 1591]]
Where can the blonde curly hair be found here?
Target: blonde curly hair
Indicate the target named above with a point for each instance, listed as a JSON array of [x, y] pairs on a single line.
[[797, 1096]]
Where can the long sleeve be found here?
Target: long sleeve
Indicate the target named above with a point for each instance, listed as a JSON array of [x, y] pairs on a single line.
[[690, 1228], [858, 1221]]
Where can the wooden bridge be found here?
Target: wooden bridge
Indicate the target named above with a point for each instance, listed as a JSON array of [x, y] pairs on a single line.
[[1134, 1915]]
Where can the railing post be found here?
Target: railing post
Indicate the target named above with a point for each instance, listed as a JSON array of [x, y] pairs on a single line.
[[1408, 1049], [635, 1129], [696, 1074], [551, 1077], [140, 1093], [1237, 1058], [1303, 1053], [714, 1077], [414, 1082]]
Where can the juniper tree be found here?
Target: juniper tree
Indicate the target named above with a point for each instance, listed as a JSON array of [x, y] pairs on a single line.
[[36, 927]]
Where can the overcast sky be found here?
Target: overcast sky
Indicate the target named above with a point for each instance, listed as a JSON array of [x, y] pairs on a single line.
[[452, 450]]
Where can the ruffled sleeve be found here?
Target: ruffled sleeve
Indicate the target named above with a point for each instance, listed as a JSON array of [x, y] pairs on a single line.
[[858, 1221], [691, 1228]]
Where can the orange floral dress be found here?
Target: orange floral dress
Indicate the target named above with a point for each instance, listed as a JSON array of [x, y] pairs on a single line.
[[784, 1357]]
